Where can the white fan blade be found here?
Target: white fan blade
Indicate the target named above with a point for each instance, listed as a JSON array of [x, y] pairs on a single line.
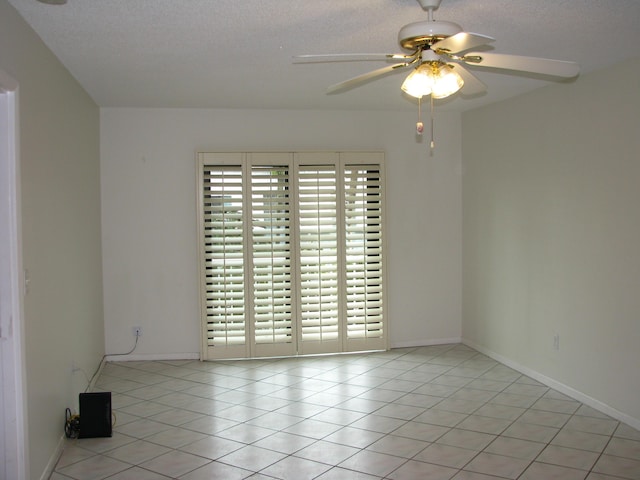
[[460, 42], [352, 57], [544, 66], [352, 82], [472, 85]]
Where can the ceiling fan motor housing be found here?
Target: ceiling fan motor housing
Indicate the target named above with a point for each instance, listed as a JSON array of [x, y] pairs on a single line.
[[420, 34], [429, 4]]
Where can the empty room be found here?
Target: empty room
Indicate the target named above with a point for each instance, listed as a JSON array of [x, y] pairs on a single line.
[[382, 239]]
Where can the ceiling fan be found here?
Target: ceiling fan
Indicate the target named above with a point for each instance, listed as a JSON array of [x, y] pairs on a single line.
[[439, 54]]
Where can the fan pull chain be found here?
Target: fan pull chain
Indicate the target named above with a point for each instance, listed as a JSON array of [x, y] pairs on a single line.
[[419, 125], [432, 144]]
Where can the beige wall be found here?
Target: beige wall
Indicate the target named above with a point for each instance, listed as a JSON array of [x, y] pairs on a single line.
[[149, 214], [59, 162], [552, 234]]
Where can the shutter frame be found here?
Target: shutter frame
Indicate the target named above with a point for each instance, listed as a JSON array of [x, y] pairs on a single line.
[[280, 279]]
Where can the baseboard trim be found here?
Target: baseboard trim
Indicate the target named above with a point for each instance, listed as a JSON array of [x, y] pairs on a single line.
[[196, 356], [53, 461], [152, 357], [556, 385], [425, 343]]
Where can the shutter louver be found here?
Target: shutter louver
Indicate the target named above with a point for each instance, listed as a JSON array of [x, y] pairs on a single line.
[[363, 225], [318, 253], [271, 239], [224, 257]]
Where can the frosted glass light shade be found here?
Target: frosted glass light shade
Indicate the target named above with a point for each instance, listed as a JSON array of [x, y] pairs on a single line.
[[419, 82], [432, 78]]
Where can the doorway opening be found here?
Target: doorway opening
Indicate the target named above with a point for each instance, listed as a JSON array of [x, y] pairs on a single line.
[[13, 436]]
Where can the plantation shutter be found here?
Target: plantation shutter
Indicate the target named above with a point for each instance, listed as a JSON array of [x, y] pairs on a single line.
[[292, 253], [363, 256], [224, 264], [272, 259], [318, 257]]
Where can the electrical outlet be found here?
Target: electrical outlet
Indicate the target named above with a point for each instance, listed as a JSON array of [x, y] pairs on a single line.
[[137, 331], [556, 342]]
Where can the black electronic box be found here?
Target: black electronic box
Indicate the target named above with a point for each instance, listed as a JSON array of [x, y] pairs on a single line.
[[95, 415]]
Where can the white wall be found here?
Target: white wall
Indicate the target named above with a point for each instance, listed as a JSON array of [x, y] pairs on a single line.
[[552, 234], [149, 215], [59, 162]]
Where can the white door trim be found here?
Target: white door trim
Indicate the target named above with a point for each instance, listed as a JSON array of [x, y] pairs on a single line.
[[13, 414]]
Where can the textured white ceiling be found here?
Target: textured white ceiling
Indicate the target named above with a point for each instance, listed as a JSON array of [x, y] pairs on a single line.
[[237, 53]]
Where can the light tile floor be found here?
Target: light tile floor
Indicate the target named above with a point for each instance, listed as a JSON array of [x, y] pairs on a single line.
[[438, 412]]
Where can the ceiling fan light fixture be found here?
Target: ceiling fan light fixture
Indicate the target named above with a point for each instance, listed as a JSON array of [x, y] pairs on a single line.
[[432, 78]]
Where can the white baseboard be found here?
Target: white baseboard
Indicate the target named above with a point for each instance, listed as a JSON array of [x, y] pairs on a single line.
[[51, 465], [152, 357], [425, 343], [560, 387], [196, 355]]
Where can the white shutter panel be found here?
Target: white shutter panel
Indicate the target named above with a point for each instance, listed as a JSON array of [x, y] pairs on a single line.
[[318, 257], [224, 264], [271, 243], [363, 257]]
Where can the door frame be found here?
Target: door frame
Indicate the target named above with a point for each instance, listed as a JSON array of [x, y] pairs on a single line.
[[13, 426]]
